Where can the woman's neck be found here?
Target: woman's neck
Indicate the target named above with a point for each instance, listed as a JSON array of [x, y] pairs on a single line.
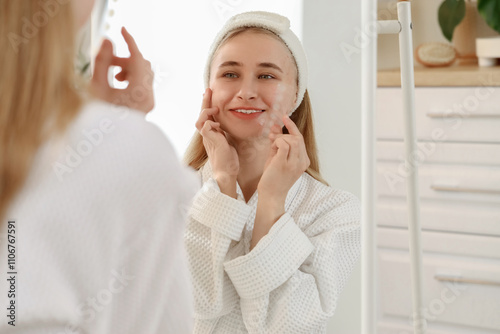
[[253, 154]]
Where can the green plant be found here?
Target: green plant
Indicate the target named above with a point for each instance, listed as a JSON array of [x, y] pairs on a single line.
[[452, 12]]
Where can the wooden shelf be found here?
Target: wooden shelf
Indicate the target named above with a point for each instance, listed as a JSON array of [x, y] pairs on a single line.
[[452, 76]]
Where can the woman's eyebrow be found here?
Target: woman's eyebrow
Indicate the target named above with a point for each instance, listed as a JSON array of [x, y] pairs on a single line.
[[265, 65], [271, 65], [230, 63]]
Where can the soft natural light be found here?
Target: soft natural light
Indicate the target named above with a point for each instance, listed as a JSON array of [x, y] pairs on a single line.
[[175, 37]]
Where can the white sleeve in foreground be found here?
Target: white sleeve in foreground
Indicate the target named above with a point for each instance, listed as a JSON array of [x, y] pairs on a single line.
[[152, 254]]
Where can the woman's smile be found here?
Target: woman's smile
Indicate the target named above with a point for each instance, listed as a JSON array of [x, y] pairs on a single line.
[[247, 113]]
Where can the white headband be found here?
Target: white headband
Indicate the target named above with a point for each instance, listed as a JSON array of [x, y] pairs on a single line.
[[275, 23]]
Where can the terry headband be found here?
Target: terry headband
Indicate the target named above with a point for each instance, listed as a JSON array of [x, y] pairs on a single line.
[[275, 23]]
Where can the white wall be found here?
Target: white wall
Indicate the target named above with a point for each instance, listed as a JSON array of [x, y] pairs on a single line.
[[335, 89]]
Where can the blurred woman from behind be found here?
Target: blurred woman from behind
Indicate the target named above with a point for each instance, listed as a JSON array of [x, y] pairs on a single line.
[[92, 197]]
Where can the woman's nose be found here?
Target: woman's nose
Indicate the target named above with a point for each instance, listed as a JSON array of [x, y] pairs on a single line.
[[248, 90]]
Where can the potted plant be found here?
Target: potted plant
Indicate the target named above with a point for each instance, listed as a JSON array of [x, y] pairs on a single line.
[[452, 12], [457, 19]]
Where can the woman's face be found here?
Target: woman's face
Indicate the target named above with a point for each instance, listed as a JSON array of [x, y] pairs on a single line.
[[252, 71]]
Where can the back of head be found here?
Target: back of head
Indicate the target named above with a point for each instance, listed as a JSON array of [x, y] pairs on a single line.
[[38, 96]]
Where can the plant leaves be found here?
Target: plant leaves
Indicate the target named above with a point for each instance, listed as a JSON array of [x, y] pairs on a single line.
[[490, 11], [450, 14]]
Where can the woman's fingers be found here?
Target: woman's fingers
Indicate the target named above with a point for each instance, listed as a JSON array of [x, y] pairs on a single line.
[[119, 61], [103, 61], [99, 85], [276, 129], [138, 72], [207, 99], [132, 45], [207, 112], [282, 147], [207, 126], [294, 137], [291, 127], [206, 115], [135, 69], [297, 153], [209, 131], [122, 76]]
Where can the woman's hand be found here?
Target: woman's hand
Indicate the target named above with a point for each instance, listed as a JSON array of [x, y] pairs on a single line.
[[223, 157], [135, 69], [287, 161]]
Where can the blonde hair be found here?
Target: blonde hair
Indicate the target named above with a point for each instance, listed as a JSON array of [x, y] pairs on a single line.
[[196, 155], [38, 94]]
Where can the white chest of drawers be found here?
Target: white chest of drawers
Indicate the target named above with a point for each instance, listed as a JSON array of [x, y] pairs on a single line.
[[458, 131]]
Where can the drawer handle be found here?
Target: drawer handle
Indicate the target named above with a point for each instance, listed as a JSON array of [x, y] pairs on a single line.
[[458, 279], [464, 189], [441, 114]]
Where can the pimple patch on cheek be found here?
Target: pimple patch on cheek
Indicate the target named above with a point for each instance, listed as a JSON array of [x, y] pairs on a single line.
[[279, 100], [274, 116]]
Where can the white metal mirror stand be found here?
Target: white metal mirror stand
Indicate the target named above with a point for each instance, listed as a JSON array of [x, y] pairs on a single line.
[[403, 27]]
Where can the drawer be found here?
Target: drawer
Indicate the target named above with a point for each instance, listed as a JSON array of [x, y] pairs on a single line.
[[397, 325], [476, 218], [455, 244], [462, 114], [474, 305], [442, 153], [442, 182], [452, 198], [442, 209]]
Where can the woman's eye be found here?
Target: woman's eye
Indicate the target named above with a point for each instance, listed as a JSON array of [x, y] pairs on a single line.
[[229, 75], [266, 76]]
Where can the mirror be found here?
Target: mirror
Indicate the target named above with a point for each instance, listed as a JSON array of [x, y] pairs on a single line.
[[334, 84], [177, 44]]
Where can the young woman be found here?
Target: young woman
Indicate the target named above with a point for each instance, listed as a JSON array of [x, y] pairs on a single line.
[[91, 195], [270, 244]]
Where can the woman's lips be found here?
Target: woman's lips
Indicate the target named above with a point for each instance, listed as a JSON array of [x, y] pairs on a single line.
[[246, 116]]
